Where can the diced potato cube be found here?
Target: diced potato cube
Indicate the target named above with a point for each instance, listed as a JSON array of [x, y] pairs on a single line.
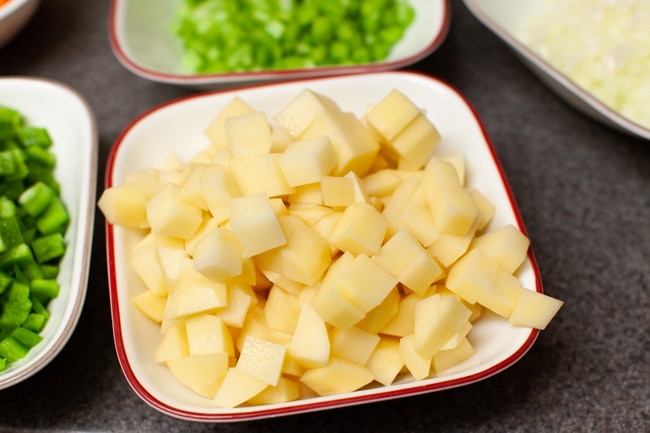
[[506, 245], [353, 344], [173, 344], [218, 187], [300, 111], [286, 390], [257, 326], [391, 115], [446, 359], [337, 377], [144, 262], [401, 324], [486, 209], [238, 387], [151, 304], [170, 215], [203, 374], [262, 359], [385, 362], [354, 145], [248, 134], [419, 366], [405, 259], [124, 205], [255, 224], [216, 132], [365, 283], [534, 309], [219, 255], [416, 142], [195, 294], [191, 190], [207, 333], [240, 298], [437, 319], [378, 317], [305, 161], [337, 191], [452, 207], [310, 345], [260, 174], [282, 309], [360, 230], [472, 276], [503, 297]]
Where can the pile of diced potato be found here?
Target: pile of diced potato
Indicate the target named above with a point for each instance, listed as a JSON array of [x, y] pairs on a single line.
[[318, 252]]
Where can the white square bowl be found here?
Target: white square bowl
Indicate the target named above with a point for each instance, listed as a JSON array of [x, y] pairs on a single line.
[[71, 124], [142, 39], [506, 18], [176, 128]]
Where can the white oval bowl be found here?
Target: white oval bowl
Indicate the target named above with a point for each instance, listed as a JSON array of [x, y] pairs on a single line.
[[14, 16], [505, 18], [142, 39], [147, 141], [70, 122]]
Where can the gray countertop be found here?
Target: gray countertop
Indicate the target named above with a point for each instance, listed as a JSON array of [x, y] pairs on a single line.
[[584, 194]]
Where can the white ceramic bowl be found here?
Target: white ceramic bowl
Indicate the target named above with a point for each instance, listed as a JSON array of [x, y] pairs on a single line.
[[176, 128], [505, 18], [14, 16], [71, 124], [142, 40]]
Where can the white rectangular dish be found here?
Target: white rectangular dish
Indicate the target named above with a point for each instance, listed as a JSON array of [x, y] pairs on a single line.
[[176, 128], [71, 124]]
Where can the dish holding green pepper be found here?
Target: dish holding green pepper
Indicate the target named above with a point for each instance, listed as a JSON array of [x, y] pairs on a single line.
[[253, 35], [33, 222]]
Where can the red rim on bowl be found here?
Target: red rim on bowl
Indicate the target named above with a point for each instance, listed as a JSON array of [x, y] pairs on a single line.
[[462, 127], [120, 47]]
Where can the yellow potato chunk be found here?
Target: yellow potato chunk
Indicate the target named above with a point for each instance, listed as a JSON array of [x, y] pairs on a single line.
[[437, 319], [215, 130], [151, 304], [337, 377], [124, 205], [353, 344], [262, 359], [218, 187], [170, 215], [286, 390], [360, 230], [219, 255], [260, 174], [238, 387], [203, 374], [206, 333], [506, 245], [306, 161], [248, 134], [255, 224], [385, 362], [534, 309], [391, 115]]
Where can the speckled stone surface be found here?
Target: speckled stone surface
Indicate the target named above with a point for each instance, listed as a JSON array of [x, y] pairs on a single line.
[[584, 194]]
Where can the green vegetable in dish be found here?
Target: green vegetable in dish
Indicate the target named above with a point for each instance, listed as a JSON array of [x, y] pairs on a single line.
[[253, 35], [33, 222]]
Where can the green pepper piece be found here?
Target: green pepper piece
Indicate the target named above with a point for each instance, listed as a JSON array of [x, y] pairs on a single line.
[[16, 306]]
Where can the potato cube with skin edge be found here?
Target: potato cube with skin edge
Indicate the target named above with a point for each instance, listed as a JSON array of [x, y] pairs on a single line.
[[534, 309], [262, 359], [337, 377], [203, 374], [238, 387], [248, 134], [391, 115], [360, 230], [124, 205], [219, 255], [170, 215], [353, 344], [305, 161], [255, 224]]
